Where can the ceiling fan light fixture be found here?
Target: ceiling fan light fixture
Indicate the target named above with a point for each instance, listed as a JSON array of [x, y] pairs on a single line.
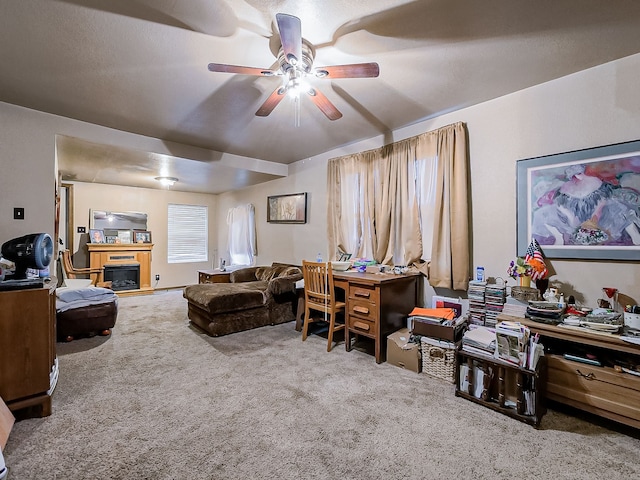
[[297, 86], [295, 62], [166, 181]]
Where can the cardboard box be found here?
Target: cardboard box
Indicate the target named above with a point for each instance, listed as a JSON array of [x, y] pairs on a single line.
[[6, 422], [402, 353], [443, 332]]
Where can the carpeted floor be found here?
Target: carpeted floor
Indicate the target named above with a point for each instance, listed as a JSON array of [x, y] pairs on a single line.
[[160, 400]]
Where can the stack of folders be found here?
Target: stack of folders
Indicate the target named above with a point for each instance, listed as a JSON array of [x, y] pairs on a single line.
[[437, 316], [479, 340], [515, 345]]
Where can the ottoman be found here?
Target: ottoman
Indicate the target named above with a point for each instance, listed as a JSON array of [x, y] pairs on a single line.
[[85, 312]]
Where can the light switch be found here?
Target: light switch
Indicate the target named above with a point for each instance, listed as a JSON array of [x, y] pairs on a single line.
[[18, 213]]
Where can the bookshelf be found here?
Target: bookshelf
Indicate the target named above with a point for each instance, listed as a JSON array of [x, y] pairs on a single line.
[[509, 389]]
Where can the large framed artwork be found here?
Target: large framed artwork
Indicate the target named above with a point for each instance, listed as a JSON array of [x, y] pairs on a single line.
[[583, 204], [291, 208]]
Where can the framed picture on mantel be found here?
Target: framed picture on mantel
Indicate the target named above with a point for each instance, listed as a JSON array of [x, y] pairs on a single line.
[[141, 236], [583, 204]]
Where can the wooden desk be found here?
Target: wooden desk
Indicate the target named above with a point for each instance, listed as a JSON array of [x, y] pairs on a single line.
[[599, 390], [377, 305]]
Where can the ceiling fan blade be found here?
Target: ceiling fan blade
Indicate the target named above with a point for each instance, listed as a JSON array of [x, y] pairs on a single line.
[[354, 70], [324, 104], [221, 67], [272, 102], [291, 37]]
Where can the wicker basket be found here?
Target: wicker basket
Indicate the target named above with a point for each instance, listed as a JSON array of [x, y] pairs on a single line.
[[439, 362], [525, 294]]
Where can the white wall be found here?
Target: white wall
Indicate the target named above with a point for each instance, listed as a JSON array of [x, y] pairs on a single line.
[[154, 203], [595, 107], [29, 171]]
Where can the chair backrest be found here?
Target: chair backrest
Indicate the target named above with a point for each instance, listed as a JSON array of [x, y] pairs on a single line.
[[67, 265], [319, 290]]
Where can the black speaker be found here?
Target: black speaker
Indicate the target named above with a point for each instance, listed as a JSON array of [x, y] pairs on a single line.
[[30, 251]]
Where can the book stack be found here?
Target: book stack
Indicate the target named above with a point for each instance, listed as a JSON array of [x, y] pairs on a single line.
[[475, 294], [479, 340], [494, 297], [515, 307]]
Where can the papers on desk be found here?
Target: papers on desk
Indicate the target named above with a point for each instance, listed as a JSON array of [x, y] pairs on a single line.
[[634, 340]]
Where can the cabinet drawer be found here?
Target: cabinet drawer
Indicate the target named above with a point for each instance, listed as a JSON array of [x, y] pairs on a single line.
[[362, 325], [598, 387], [363, 309], [363, 292]]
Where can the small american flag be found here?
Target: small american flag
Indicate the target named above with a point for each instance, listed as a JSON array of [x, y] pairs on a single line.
[[534, 257]]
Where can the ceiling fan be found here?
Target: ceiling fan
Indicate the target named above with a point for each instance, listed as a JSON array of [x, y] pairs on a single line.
[[295, 60]]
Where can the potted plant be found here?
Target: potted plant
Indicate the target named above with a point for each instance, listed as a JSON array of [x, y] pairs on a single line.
[[519, 269]]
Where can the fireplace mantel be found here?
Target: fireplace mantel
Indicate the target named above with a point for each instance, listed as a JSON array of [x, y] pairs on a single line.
[[101, 254]]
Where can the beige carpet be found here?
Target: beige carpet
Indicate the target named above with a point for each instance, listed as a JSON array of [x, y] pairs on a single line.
[[159, 400]]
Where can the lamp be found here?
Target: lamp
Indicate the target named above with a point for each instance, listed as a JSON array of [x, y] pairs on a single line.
[[167, 181]]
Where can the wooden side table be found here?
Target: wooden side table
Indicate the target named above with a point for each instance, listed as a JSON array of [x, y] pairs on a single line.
[[213, 276]]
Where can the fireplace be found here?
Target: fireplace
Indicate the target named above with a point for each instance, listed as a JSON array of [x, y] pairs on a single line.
[[123, 276], [121, 255]]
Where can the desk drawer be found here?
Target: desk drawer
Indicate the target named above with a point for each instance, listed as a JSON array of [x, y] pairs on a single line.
[[362, 325], [364, 292], [363, 309], [601, 388]]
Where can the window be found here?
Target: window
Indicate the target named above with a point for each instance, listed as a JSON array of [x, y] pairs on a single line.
[[386, 208], [406, 203], [242, 234], [188, 228]]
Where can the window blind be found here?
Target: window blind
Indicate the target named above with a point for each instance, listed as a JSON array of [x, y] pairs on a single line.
[[187, 234]]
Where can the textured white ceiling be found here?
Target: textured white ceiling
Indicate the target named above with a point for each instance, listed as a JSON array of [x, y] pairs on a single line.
[[141, 66]]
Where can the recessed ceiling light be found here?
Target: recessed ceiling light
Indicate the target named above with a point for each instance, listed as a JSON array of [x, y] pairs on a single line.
[[167, 181]]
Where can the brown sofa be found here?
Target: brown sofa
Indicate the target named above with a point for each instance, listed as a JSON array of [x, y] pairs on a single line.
[[254, 297]]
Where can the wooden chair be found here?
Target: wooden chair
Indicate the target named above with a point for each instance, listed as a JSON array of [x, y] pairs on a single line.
[[319, 295], [71, 272]]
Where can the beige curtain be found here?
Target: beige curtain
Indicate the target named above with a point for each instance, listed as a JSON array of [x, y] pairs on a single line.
[[450, 256], [375, 200]]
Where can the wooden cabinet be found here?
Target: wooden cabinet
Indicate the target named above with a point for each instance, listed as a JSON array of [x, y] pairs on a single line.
[[503, 387], [600, 390], [28, 365], [213, 276], [376, 305]]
